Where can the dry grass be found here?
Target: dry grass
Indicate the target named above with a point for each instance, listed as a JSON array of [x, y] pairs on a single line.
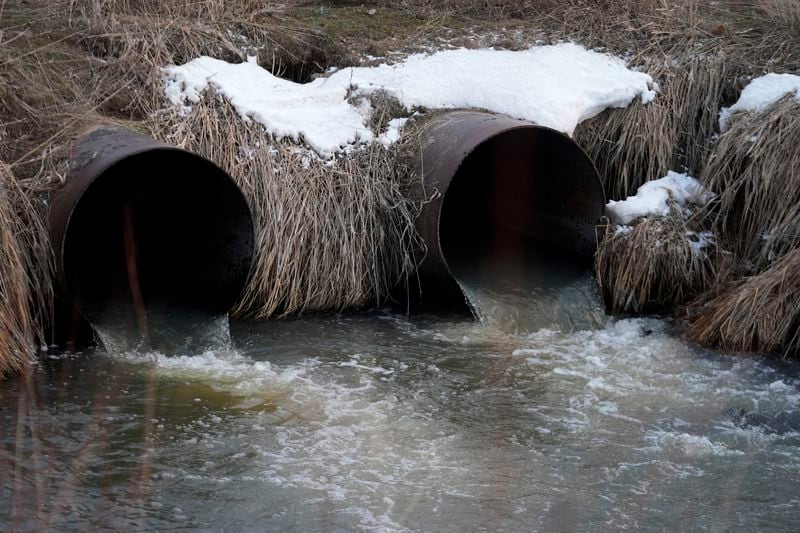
[[338, 217], [16, 325], [340, 236], [642, 142], [333, 235], [755, 170], [588, 10], [69, 64], [497, 8], [25, 289], [760, 314], [137, 39], [783, 12], [651, 267]]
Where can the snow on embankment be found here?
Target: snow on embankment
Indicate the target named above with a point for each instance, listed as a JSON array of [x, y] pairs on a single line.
[[655, 198], [556, 86], [760, 94]]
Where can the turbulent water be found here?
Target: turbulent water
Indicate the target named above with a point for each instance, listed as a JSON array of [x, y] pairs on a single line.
[[384, 422]]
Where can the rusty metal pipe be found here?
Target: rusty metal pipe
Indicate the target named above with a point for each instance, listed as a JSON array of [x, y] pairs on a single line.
[[141, 225], [487, 177]]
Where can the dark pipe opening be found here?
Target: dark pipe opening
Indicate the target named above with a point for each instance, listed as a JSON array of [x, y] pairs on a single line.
[[518, 196], [502, 196], [147, 230], [189, 227]]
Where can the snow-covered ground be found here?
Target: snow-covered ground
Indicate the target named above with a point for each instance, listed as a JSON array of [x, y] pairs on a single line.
[[760, 94], [654, 198], [556, 86]]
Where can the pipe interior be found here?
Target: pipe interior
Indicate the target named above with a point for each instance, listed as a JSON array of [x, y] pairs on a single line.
[[189, 232], [528, 195]]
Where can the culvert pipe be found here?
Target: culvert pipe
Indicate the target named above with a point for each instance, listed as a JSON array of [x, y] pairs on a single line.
[[143, 228], [495, 186]]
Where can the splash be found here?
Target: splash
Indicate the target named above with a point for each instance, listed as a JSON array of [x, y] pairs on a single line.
[[174, 332], [540, 288]]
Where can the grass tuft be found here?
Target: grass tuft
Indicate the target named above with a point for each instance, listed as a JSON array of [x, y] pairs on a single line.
[[759, 314], [755, 171], [673, 132], [25, 288], [652, 266], [782, 12]]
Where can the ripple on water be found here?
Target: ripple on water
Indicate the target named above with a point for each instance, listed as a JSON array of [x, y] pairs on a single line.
[[386, 422]]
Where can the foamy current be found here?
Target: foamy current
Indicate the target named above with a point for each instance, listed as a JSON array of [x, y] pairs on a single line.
[[388, 423]]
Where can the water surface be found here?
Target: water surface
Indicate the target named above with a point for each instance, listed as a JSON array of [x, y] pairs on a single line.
[[384, 422]]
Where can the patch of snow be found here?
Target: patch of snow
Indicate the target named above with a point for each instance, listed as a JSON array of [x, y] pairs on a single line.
[[392, 134], [699, 241], [623, 230], [557, 86], [655, 198], [316, 112], [760, 93]]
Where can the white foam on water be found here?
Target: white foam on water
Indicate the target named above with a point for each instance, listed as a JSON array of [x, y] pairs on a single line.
[[688, 445], [381, 440], [339, 440]]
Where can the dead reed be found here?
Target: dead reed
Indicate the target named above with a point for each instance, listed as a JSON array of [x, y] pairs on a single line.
[[333, 234], [783, 12], [632, 145], [655, 265], [759, 314], [135, 39], [20, 293], [755, 171], [340, 234]]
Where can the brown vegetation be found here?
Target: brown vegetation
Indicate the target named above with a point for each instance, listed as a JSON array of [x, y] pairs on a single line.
[[642, 142], [758, 314], [652, 266], [25, 290], [783, 12], [333, 234], [340, 236], [755, 170]]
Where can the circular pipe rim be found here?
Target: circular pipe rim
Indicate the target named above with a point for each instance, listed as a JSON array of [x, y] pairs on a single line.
[[86, 169], [504, 125]]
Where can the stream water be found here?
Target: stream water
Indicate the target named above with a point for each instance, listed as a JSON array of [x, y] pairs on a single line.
[[387, 422]]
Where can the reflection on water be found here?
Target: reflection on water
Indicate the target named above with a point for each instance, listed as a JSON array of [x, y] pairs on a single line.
[[390, 423]]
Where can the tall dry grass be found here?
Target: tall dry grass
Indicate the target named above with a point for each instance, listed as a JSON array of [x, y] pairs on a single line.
[[332, 234], [136, 39], [759, 314], [755, 171], [783, 12], [526, 9], [633, 145], [653, 266], [25, 290], [87, 61]]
